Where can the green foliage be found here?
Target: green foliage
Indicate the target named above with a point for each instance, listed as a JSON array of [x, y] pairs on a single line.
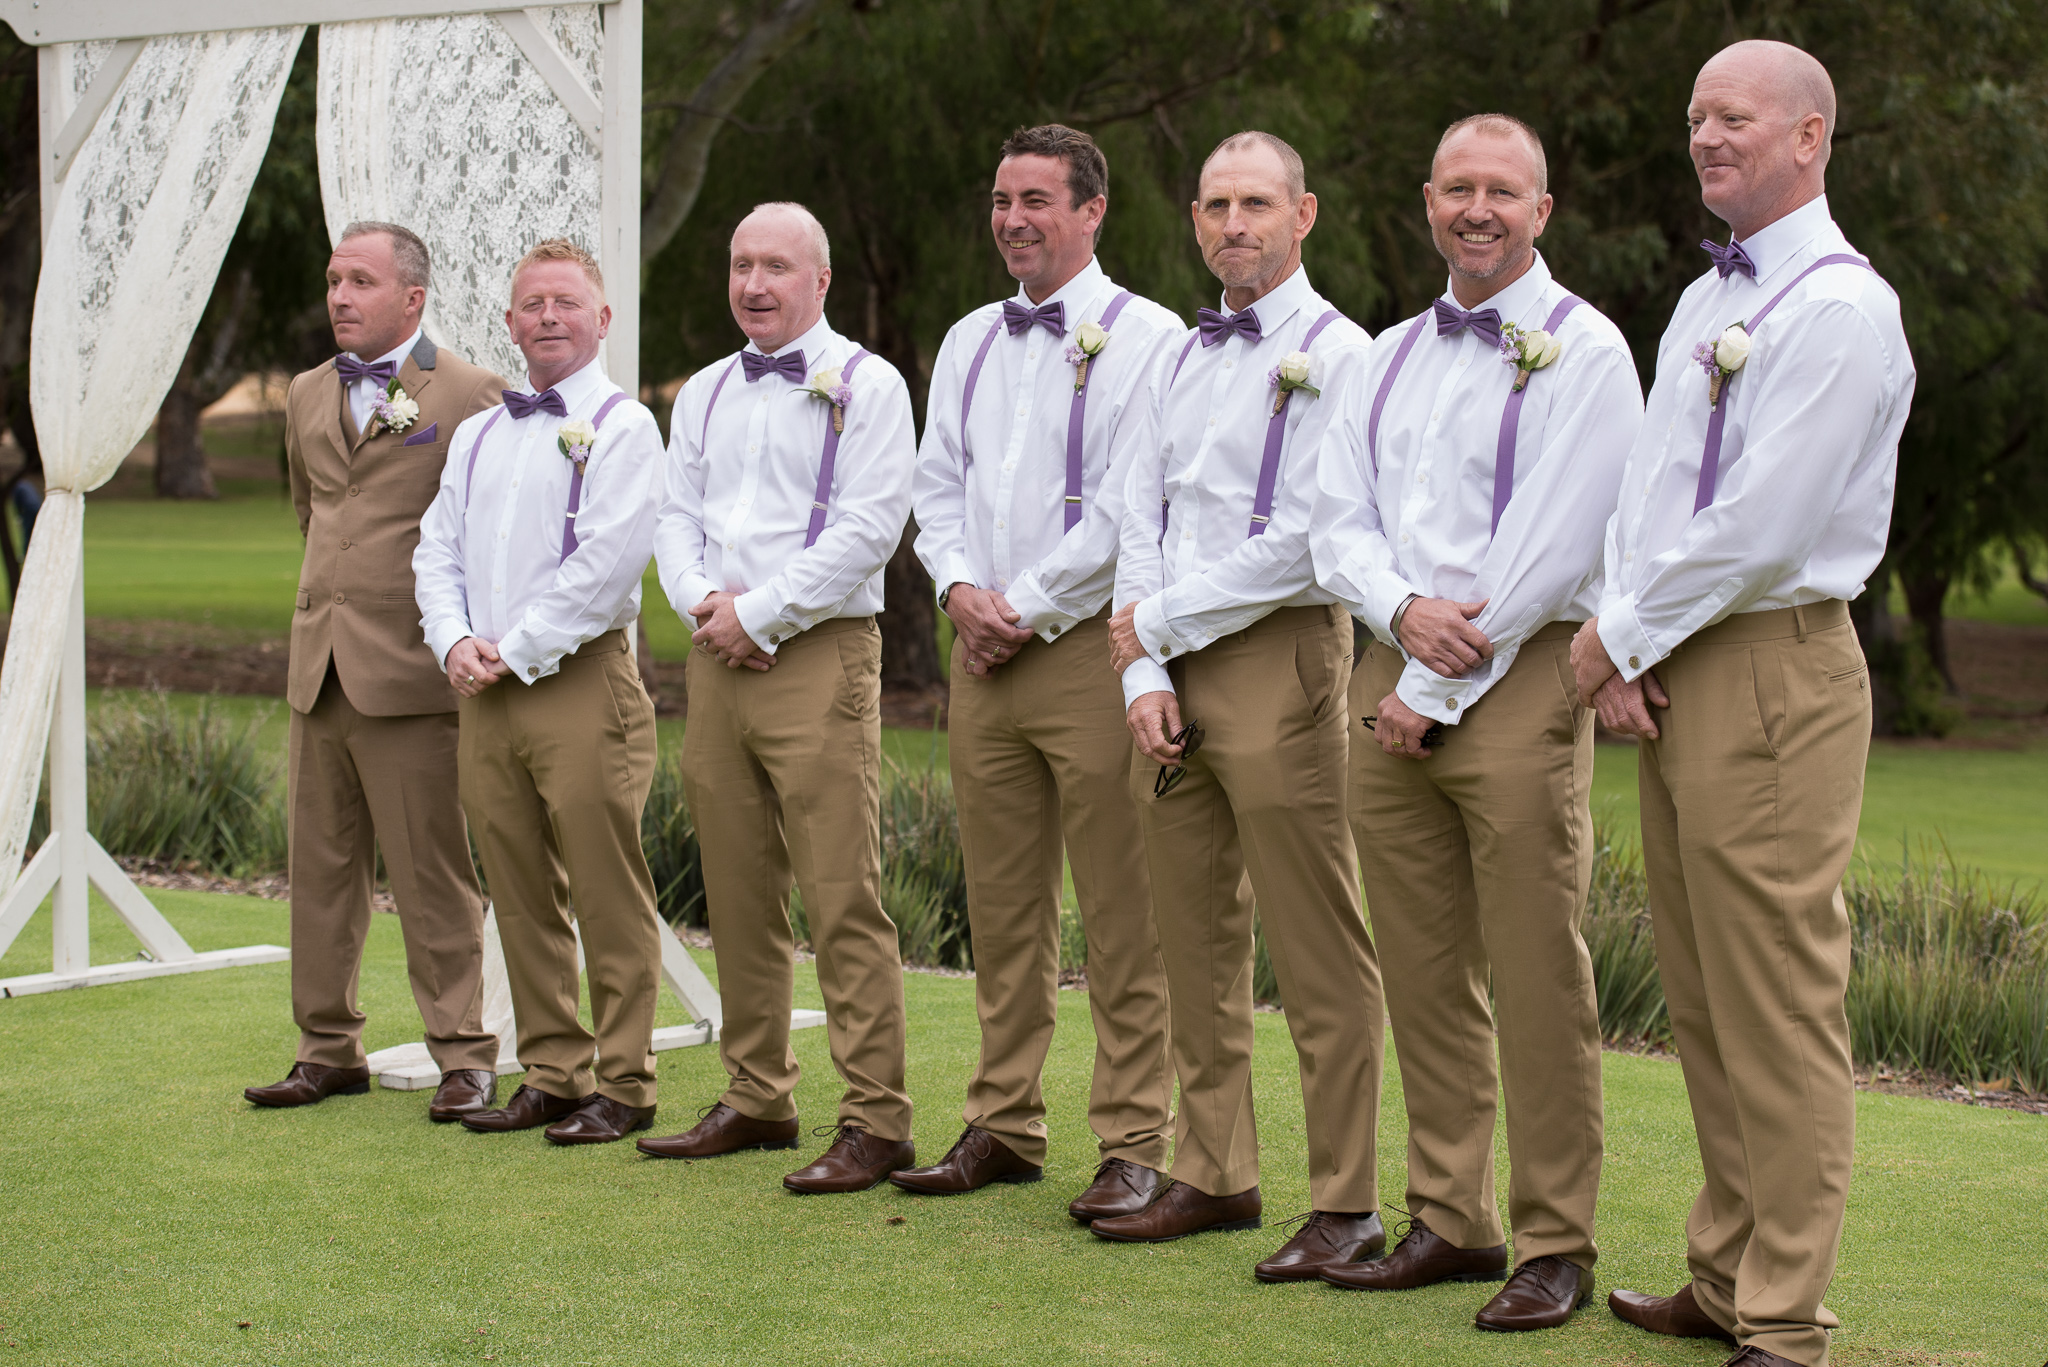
[[181, 787], [669, 839], [1915, 701], [1619, 939]]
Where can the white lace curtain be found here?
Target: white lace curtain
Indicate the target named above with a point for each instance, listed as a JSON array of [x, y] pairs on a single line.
[[141, 224], [443, 126]]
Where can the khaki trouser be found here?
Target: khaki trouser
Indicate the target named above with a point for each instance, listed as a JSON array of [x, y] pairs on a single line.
[[357, 783], [1750, 800], [783, 772], [555, 776], [1477, 861], [1264, 797], [1040, 751]]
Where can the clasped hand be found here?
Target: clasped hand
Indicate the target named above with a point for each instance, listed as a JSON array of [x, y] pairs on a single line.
[[719, 630], [1439, 632], [474, 665], [986, 626], [1623, 706]]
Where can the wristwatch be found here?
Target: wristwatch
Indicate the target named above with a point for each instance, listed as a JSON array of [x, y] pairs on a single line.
[[947, 592]]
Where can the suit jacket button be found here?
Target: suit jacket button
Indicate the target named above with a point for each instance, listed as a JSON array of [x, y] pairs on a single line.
[[354, 489], [344, 543], [339, 598]]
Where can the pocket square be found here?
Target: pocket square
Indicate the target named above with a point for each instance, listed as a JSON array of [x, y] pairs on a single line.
[[425, 435]]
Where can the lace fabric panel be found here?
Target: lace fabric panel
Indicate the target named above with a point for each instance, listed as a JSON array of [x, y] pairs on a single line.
[[142, 222], [442, 125]]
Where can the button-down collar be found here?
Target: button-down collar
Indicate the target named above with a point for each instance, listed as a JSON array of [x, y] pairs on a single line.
[[1775, 244]]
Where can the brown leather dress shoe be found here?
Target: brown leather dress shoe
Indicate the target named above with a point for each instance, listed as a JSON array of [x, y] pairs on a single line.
[[721, 1129], [976, 1159], [307, 1083], [600, 1120], [1542, 1294], [1753, 1356], [1121, 1187], [1327, 1240], [1421, 1259], [1182, 1210], [856, 1161], [529, 1107], [1678, 1315], [466, 1091]]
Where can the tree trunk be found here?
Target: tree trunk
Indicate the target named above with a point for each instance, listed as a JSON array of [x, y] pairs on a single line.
[[1873, 622], [180, 454], [1924, 597], [910, 626]]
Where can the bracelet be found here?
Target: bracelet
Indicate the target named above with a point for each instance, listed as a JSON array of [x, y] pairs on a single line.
[[1394, 622]]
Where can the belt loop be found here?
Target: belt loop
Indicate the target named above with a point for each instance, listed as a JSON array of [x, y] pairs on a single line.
[[1799, 621]]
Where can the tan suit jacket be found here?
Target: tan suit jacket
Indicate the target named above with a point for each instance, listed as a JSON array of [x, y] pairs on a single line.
[[360, 501]]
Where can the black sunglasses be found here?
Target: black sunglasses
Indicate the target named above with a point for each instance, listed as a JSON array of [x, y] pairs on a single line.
[[1431, 738], [1189, 739]]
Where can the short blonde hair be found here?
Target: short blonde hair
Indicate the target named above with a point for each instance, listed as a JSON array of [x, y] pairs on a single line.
[[561, 249]]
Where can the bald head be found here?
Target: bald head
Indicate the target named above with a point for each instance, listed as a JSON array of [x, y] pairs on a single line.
[[781, 267], [1762, 119], [789, 220]]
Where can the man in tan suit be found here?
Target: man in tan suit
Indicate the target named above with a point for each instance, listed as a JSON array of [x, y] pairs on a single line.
[[373, 721]]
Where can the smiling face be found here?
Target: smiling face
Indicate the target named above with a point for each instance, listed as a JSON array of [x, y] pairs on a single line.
[[777, 283], [1760, 120], [558, 318], [1046, 240], [370, 307], [1486, 209], [1248, 224]]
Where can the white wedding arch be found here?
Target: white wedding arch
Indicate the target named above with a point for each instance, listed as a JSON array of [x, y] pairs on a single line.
[[484, 128]]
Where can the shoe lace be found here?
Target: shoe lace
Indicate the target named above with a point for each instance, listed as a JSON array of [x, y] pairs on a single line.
[[843, 1132], [973, 1140], [1308, 1220], [1108, 1166], [1405, 1227]]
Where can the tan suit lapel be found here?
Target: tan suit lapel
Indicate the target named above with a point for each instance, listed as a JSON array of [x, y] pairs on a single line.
[[412, 380], [340, 425]]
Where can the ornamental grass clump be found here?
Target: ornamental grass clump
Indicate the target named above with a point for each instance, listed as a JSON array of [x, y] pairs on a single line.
[[1623, 948], [182, 788]]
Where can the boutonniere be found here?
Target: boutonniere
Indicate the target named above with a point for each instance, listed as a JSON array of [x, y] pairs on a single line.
[[1089, 340], [1527, 351], [1291, 374], [575, 438], [395, 412], [1721, 358], [828, 385]]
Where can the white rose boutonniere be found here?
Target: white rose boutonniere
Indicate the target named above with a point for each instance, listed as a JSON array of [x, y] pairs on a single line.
[[395, 412], [1527, 351], [1089, 340], [575, 438], [1721, 358], [1291, 374], [830, 386]]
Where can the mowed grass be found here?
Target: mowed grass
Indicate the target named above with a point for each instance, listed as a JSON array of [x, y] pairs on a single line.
[[151, 1212]]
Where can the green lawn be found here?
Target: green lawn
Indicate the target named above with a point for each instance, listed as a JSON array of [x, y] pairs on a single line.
[[151, 1212]]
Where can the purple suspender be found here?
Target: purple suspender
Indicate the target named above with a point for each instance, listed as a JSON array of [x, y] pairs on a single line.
[[974, 374], [469, 476], [1710, 458], [1511, 422], [823, 498], [1379, 400], [704, 437], [576, 480], [1165, 505], [1276, 429], [1075, 412]]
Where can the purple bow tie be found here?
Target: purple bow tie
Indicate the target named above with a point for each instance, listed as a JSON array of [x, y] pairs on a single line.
[[790, 367], [1452, 319], [1052, 317], [1216, 328], [1731, 258], [350, 369], [526, 405]]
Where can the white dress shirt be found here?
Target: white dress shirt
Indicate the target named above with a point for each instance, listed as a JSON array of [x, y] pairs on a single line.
[[1205, 577], [1804, 498], [1424, 523], [991, 508], [364, 393], [490, 562], [736, 502]]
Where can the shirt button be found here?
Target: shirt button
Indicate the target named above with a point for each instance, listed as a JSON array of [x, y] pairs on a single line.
[[1031, 355], [1002, 583], [1435, 416], [1228, 364], [1212, 422], [1422, 479], [1464, 360], [1000, 524], [1009, 465], [1404, 538], [1630, 556], [1634, 663], [728, 545], [339, 598], [753, 448]]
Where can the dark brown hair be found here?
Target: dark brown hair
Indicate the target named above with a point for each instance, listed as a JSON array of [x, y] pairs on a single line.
[[1087, 168]]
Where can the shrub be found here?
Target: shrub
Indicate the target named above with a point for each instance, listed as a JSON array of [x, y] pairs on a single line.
[[1618, 936], [669, 839]]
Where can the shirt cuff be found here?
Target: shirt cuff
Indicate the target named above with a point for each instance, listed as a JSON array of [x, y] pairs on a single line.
[[1385, 591], [1036, 613], [1621, 632], [527, 659], [1154, 634], [1144, 676], [444, 636], [955, 570], [767, 622], [693, 589]]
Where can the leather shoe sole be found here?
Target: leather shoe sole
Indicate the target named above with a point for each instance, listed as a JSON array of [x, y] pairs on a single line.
[[1014, 1178], [1096, 1228]]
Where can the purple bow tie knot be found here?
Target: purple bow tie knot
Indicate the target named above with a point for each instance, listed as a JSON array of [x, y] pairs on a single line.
[[1217, 328], [1451, 319], [521, 405], [1730, 259], [789, 366], [1052, 317], [350, 369]]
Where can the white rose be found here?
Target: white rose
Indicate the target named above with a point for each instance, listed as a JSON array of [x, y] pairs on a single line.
[[1294, 367], [1539, 349], [1732, 350], [577, 432], [825, 381], [404, 410], [1091, 337]]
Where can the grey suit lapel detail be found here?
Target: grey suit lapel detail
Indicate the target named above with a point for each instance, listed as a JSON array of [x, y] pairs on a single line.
[[424, 352]]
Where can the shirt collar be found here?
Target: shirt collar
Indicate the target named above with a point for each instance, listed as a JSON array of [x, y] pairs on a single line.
[[575, 388], [1282, 302], [1076, 294], [398, 354], [812, 344], [1776, 243], [1518, 303]]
